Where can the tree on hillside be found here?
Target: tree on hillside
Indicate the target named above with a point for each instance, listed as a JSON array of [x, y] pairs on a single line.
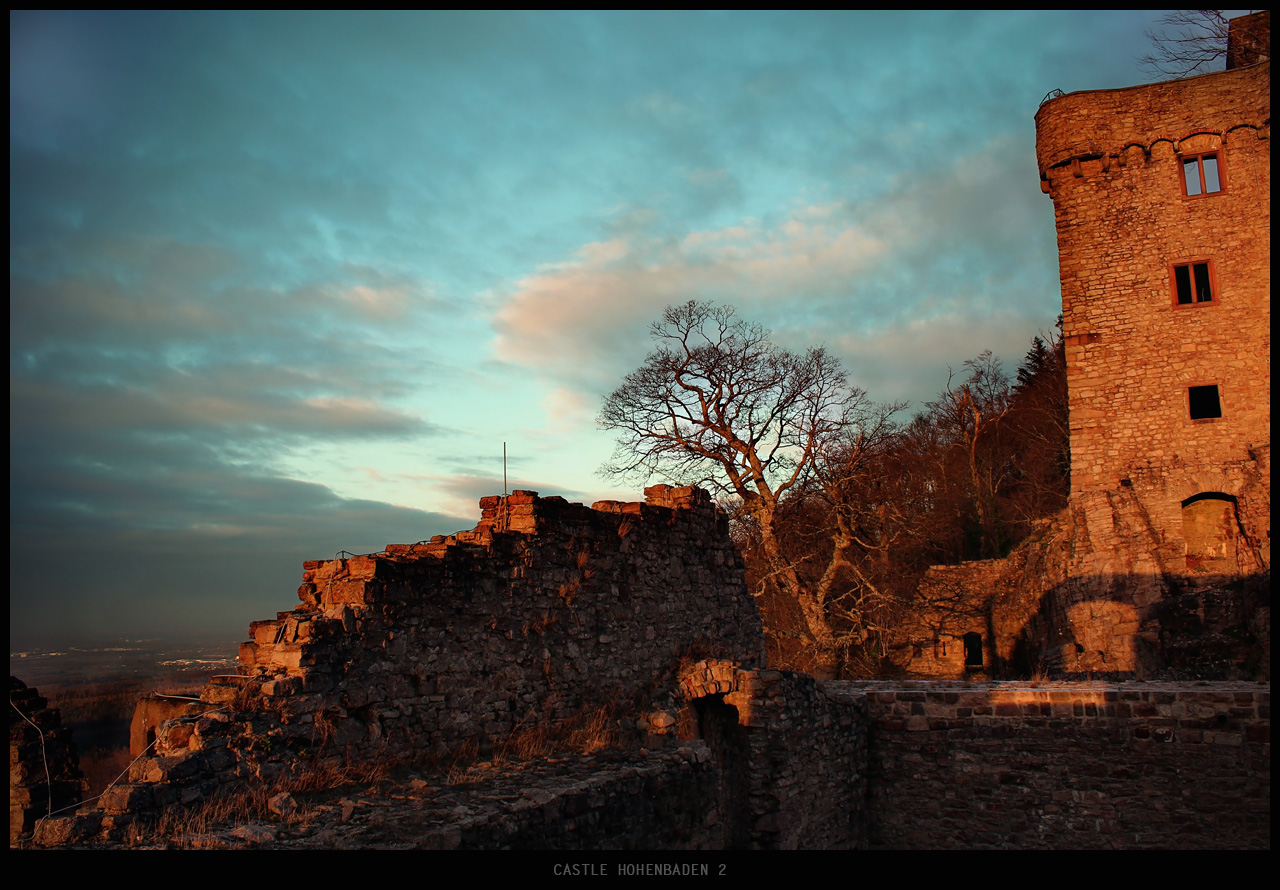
[[717, 404], [1039, 431], [993, 453], [972, 414]]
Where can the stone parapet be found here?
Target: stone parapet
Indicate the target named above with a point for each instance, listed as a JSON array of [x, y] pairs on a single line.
[[1101, 126]]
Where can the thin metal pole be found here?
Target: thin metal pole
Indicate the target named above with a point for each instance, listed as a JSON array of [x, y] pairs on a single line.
[[504, 469]]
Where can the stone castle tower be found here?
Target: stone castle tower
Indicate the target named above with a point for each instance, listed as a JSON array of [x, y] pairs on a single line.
[[1161, 564], [1161, 195]]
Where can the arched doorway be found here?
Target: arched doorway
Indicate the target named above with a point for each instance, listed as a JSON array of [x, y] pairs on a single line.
[[1210, 529], [718, 725]]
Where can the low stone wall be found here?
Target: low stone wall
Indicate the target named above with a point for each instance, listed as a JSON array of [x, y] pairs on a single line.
[[663, 803], [1070, 766]]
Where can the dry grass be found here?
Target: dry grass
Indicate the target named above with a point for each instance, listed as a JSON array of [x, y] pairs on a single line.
[[569, 591], [457, 771], [587, 733], [540, 625], [249, 697], [327, 774], [595, 731], [324, 727], [225, 809], [1039, 676], [247, 803]]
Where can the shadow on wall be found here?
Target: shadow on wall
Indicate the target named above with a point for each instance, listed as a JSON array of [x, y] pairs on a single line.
[[1118, 585], [1205, 626]]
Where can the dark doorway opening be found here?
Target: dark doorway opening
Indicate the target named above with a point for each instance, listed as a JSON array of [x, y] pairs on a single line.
[[718, 725], [973, 651]]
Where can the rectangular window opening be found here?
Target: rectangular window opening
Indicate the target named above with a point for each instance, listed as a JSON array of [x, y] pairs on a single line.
[[972, 650], [1204, 402], [1193, 283], [1200, 175]]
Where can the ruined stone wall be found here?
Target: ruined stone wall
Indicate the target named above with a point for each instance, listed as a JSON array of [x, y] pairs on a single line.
[[742, 759], [44, 771], [1092, 592], [954, 602], [1070, 766], [545, 610], [1113, 162], [791, 755], [543, 614]]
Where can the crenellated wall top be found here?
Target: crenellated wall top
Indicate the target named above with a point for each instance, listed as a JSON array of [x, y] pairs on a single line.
[[1099, 123]]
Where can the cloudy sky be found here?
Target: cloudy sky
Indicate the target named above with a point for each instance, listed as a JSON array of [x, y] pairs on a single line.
[[282, 285]]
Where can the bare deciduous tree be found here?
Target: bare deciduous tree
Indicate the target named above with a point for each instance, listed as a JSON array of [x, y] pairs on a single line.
[[1189, 41], [717, 404], [972, 413]]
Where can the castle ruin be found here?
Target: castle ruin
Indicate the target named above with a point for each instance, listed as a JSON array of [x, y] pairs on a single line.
[[1162, 199], [548, 611], [1162, 202]]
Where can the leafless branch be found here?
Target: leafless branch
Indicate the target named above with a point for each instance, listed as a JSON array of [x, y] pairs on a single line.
[[1189, 41]]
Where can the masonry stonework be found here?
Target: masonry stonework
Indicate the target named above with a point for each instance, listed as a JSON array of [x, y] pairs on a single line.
[[44, 770], [1118, 165], [545, 610], [548, 611], [738, 756], [1162, 200], [1069, 766]]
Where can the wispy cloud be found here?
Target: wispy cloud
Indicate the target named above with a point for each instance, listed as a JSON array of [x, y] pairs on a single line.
[[577, 311], [935, 261]]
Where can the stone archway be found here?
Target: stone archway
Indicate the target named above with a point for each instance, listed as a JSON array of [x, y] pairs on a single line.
[[731, 751], [718, 710]]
